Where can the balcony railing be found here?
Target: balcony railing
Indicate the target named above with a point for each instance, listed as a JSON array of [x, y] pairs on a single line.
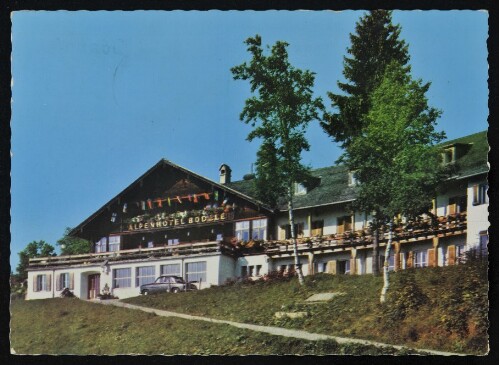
[[410, 231], [139, 253]]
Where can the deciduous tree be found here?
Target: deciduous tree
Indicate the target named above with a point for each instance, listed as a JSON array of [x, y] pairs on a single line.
[[279, 111], [73, 245], [32, 250], [395, 158]]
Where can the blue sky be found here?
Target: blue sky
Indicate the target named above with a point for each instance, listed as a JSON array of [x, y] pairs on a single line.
[[100, 97]]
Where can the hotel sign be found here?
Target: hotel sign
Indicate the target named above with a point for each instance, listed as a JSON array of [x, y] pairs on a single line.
[[175, 222]]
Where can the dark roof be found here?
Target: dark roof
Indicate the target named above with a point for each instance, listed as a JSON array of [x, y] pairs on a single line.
[[474, 158], [333, 187]]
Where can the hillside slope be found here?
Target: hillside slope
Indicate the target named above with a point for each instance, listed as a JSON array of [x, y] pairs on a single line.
[[442, 308]]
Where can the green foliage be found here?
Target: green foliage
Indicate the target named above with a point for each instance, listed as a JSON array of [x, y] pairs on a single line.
[[71, 245], [373, 47], [411, 316], [279, 112], [394, 158], [32, 250], [406, 297]]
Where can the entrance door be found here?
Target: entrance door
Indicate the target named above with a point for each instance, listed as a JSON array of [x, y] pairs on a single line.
[[93, 286]]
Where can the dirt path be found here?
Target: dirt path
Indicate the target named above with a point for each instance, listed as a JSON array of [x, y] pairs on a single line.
[[278, 331]]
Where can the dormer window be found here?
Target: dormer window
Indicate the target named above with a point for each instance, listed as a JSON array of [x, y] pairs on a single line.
[[300, 189], [352, 179], [449, 155]]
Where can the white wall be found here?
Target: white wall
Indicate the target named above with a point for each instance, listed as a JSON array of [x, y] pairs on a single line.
[[478, 218]]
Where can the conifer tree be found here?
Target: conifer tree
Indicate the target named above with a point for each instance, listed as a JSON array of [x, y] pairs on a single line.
[[374, 45]]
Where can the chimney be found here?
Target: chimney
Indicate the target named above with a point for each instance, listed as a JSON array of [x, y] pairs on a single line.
[[225, 172]]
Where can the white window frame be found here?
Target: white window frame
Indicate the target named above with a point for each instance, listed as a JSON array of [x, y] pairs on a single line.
[[114, 243], [241, 229], [166, 269], [259, 229], [100, 245], [480, 195], [146, 277], [124, 281], [194, 273], [420, 258], [64, 280], [299, 189], [42, 283]]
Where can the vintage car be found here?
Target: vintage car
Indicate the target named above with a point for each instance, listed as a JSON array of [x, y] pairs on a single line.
[[167, 283]]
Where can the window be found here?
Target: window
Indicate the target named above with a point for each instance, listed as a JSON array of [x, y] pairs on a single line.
[[320, 267], [259, 229], [448, 155], [144, 275], [114, 243], [300, 189], [122, 278], [244, 271], [420, 259], [243, 231], [317, 228], [63, 281], [480, 194], [391, 262], [42, 282], [251, 271], [171, 269], [352, 179], [344, 224], [459, 253], [196, 271], [457, 204], [173, 241], [100, 245], [258, 270], [286, 230], [344, 267], [484, 240]]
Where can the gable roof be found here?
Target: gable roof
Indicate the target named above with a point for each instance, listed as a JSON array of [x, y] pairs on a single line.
[[158, 165]]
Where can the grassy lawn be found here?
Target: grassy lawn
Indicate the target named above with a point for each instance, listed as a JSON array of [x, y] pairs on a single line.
[[71, 326], [443, 308]]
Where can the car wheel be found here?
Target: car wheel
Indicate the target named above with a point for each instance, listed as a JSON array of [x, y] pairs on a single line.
[[145, 292], [175, 290]]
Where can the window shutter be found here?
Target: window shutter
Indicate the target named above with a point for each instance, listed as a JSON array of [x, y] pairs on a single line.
[[35, 282], [71, 281], [331, 267], [49, 282], [353, 267], [58, 282], [396, 261], [410, 258], [451, 255], [431, 257]]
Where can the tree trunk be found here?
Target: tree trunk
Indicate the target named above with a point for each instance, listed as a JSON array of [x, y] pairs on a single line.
[[293, 238], [386, 274]]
